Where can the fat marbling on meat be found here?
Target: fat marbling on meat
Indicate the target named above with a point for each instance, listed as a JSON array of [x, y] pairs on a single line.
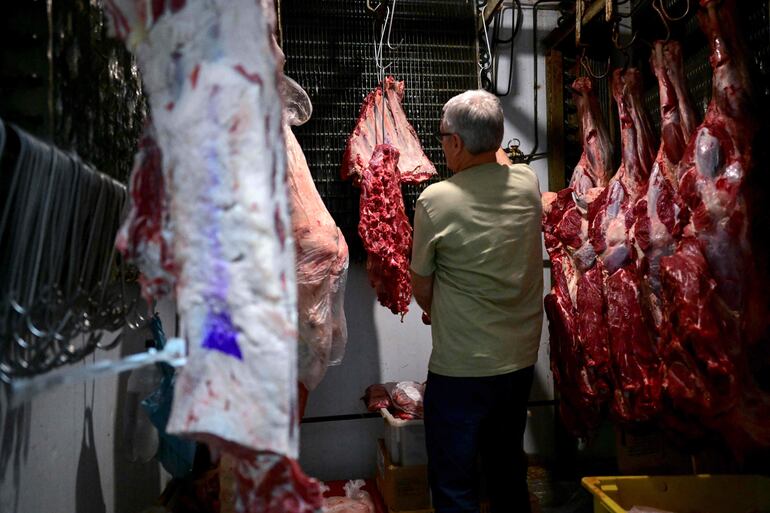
[[634, 360], [382, 120], [575, 306]]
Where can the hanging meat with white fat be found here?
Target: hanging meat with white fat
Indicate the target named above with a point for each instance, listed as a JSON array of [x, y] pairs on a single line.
[[383, 120], [322, 266], [660, 214], [595, 165], [211, 75], [708, 280], [634, 359], [579, 349]]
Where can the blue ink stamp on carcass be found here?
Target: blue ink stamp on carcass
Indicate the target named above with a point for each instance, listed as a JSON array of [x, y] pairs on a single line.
[[221, 335]]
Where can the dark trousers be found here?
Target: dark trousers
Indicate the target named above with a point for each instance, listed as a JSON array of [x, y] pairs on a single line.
[[470, 417]]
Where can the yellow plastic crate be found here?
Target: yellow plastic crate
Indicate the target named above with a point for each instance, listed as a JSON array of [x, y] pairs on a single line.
[[681, 494]]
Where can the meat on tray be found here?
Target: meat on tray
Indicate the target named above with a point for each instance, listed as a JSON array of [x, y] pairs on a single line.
[[378, 124], [385, 230]]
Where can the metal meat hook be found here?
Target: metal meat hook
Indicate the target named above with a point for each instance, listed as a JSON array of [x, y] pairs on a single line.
[[392, 15], [663, 18], [616, 37], [662, 11], [488, 65], [587, 66]]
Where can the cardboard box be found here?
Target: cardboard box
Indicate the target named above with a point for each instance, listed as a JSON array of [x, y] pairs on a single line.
[[403, 488], [648, 452], [405, 440]]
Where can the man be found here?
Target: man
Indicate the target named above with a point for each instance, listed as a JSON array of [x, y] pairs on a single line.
[[477, 275]]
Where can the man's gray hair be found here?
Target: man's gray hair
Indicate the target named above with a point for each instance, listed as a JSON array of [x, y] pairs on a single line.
[[477, 117]]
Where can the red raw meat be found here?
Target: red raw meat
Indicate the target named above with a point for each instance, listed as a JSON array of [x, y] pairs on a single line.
[[385, 230], [272, 483], [698, 370], [592, 330], [709, 286], [376, 397], [595, 165], [660, 214], [580, 410], [413, 166], [579, 347], [717, 159], [407, 399], [634, 361], [144, 237], [611, 214]]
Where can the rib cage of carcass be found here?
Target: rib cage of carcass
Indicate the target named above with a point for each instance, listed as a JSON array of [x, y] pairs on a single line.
[[673, 281]]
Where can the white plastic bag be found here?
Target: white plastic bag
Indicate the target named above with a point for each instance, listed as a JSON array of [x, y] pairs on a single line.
[[356, 500]]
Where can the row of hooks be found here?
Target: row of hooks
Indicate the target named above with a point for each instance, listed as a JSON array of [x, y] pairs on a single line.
[[62, 283], [665, 18]]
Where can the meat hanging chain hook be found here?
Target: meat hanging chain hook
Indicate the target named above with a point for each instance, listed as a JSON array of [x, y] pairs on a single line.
[[665, 13], [488, 64], [658, 6], [616, 37], [392, 15], [378, 62], [589, 69]]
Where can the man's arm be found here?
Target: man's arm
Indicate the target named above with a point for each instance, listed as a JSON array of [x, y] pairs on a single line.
[[422, 288]]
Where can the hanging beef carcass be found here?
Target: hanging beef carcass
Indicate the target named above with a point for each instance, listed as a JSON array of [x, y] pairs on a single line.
[[322, 264], [636, 379], [211, 75], [579, 349], [385, 230], [595, 165], [707, 281], [322, 255], [660, 214], [659, 219], [382, 120], [717, 160], [581, 402], [383, 138]]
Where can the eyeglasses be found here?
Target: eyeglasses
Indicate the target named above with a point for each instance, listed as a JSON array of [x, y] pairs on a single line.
[[440, 136]]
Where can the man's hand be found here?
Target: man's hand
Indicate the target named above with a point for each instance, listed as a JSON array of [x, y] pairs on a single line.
[[422, 288]]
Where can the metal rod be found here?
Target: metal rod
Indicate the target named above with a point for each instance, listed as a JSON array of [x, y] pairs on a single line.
[[535, 8]]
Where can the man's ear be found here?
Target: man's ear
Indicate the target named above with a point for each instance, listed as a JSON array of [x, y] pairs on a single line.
[[457, 142]]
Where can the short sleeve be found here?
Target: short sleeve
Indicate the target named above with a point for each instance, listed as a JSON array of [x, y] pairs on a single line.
[[423, 243]]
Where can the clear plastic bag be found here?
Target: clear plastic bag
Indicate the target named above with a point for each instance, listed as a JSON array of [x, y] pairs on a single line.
[[356, 500]]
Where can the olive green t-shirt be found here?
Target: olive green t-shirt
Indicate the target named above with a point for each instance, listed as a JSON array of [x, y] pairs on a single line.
[[478, 233]]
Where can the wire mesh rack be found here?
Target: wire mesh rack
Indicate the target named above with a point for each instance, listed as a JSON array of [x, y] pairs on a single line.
[[329, 49]]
